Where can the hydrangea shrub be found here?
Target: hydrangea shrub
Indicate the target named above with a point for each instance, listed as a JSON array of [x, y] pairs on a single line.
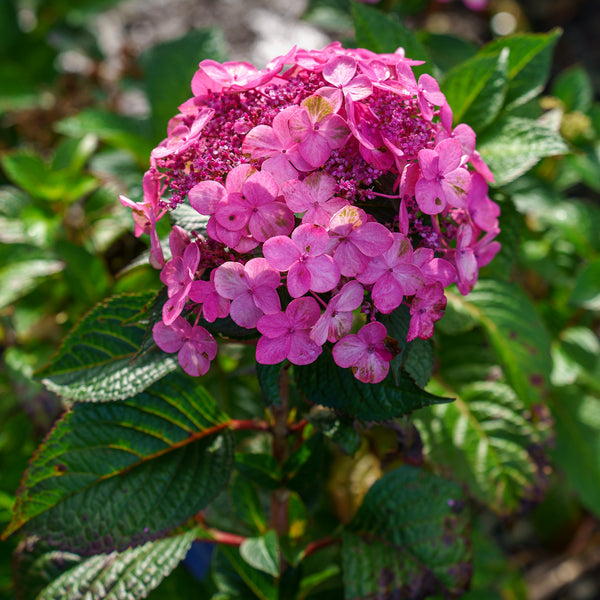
[[335, 189]]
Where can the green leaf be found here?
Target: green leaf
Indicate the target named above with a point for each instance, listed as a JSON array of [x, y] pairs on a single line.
[[512, 145], [338, 429], [246, 504], [126, 133], [517, 334], [323, 382], [151, 462], [476, 89], [574, 87], [100, 359], [262, 553], [407, 539], [332, 15], [268, 378], [236, 579], [299, 468], [262, 469], [129, 574], [169, 68], [586, 292], [384, 33], [72, 153], [36, 565], [528, 64], [23, 268], [577, 451], [576, 357], [484, 439]]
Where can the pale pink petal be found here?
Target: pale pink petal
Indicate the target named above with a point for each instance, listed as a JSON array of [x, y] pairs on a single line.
[[206, 195], [348, 351], [204, 341], [237, 177], [270, 351], [193, 360], [450, 153], [350, 297], [324, 273], [360, 87], [231, 280], [340, 70], [456, 186], [303, 350], [261, 142], [372, 238], [335, 130], [372, 369], [281, 252], [170, 338], [173, 306], [314, 149], [428, 161]]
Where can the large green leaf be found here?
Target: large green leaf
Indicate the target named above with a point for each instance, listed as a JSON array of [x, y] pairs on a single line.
[[577, 451], [101, 360], [528, 64], [262, 553], [323, 382], [407, 539], [586, 292], [383, 33], [513, 145], [116, 474], [476, 89], [129, 574], [485, 440], [517, 334], [574, 87]]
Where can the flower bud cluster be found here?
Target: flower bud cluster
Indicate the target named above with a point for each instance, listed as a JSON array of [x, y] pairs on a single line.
[[334, 188]]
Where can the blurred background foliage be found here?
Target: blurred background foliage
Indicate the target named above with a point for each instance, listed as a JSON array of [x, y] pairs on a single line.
[[78, 125]]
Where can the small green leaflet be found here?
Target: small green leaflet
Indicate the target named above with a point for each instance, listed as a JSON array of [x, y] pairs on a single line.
[[407, 539], [100, 359], [116, 474]]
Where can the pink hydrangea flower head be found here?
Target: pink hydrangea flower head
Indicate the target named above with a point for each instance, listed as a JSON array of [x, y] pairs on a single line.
[[365, 353]]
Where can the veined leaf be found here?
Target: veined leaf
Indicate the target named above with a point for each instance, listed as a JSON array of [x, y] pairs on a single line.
[[484, 439], [516, 332], [323, 382], [512, 145], [41, 573], [407, 539], [528, 64], [101, 360], [116, 474], [476, 89], [262, 553], [129, 574]]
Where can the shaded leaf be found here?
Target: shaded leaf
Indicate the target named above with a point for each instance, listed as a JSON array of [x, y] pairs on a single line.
[[168, 441], [574, 87], [262, 469], [338, 429], [586, 292], [517, 333], [99, 360], [323, 382], [268, 378], [246, 504], [512, 145], [484, 439], [476, 89], [528, 64], [407, 539]]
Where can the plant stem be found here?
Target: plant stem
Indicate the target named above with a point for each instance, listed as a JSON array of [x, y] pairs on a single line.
[[279, 497]]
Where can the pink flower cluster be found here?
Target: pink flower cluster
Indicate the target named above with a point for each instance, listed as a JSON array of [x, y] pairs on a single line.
[[334, 188]]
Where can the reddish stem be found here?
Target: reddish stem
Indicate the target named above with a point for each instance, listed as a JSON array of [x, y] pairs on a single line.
[[248, 424], [319, 544]]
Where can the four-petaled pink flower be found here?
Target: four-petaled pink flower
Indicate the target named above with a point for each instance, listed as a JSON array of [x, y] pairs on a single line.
[[337, 319], [393, 274], [303, 256], [195, 346], [286, 335], [365, 353], [214, 306], [444, 180], [251, 289]]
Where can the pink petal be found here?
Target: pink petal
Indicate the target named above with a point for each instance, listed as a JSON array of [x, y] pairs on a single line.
[[324, 273], [270, 351], [261, 142], [273, 326], [387, 293], [428, 161], [193, 361], [372, 239], [261, 273], [303, 312], [237, 177], [298, 280], [260, 188], [340, 70], [350, 260], [281, 252], [171, 338], [206, 195], [450, 153], [350, 297], [232, 215], [372, 369], [360, 87], [335, 130], [267, 299], [303, 350], [314, 149], [231, 280], [244, 311], [204, 341], [173, 306], [311, 239], [270, 220], [348, 351], [373, 333], [456, 186], [430, 196]]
